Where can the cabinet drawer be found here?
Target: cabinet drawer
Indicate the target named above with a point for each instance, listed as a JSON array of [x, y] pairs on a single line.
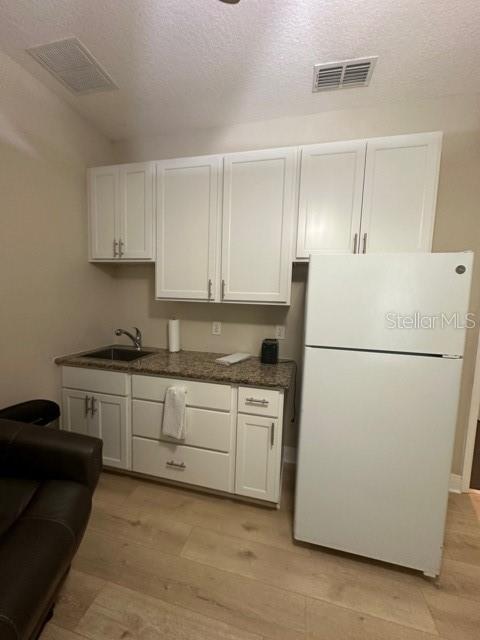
[[204, 428], [260, 402], [204, 468], [110, 382], [199, 394]]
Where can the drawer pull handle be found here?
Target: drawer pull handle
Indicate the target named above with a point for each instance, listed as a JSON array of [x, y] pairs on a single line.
[[177, 465], [261, 401]]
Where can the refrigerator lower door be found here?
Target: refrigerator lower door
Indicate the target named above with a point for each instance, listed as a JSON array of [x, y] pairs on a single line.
[[376, 441]]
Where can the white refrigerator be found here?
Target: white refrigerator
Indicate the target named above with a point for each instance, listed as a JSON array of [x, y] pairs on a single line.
[[384, 341]]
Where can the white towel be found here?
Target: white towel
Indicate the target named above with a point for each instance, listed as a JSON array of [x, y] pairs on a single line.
[[173, 424]]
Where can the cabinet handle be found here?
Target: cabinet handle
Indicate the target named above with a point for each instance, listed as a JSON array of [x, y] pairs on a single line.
[[223, 289], [261, 401], [120, 248], [355, 242], [272, 434], [364, 250], [93, 408], [87, 408], [177, 465], [209, 289], [115, 251]]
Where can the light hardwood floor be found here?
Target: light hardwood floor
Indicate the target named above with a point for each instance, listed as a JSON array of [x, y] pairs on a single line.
[[159, 562]]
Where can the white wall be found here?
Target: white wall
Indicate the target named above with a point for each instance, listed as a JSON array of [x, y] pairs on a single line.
[[52, 301], [457, 225]]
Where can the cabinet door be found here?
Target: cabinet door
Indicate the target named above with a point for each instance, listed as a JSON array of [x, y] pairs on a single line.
[[75, 414], [110, 422], [258, 207], [187, 228], [330, 202], [257, 467], [103, 196], [401, 179], [136, 211]]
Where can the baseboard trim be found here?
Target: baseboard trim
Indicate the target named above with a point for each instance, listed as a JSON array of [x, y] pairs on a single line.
[[455, 486], [455, 483]]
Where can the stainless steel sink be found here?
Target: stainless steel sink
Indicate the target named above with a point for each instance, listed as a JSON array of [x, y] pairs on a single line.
[[124, 354]]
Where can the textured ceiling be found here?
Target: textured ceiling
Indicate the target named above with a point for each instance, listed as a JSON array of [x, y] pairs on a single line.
[[184, 64]]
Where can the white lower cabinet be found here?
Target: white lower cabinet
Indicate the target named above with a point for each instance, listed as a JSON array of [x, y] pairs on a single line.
[[109, 423], [233, 438], [259, 444], [211, 469], [76, 411], [104, 415]]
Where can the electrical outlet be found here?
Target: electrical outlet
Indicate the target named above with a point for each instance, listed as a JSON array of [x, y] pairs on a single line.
[[280, 332], [216, 328]]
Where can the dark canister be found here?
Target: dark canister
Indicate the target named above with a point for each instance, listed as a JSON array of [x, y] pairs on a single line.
[[269, 351]]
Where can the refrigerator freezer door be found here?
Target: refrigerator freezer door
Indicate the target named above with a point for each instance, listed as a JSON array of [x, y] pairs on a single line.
[[376, 440], [391, 302]]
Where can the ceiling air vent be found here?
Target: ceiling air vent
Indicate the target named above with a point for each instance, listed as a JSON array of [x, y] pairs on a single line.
[[343, 74], [71, 63]]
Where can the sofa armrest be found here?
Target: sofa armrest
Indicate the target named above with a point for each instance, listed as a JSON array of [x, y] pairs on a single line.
[[38, 452]]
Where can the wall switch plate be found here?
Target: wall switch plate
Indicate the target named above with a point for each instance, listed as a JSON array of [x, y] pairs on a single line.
[[280, 332], [216, 328]]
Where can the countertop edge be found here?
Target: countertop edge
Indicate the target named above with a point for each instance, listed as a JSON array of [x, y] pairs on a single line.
[[236, 378]]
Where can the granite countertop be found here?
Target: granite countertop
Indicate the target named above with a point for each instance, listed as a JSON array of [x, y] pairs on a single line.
[[196, 365]]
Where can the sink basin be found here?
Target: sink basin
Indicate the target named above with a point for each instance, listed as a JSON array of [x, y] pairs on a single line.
[[124, 354]]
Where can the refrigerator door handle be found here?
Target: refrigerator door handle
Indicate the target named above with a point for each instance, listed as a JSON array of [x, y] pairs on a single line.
[[365, 236], [355, 242]]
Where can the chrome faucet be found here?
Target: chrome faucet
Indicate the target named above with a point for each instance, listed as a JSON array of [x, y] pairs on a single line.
[[136, 339]]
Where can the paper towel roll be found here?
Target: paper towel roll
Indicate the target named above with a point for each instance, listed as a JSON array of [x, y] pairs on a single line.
[[174, 336]]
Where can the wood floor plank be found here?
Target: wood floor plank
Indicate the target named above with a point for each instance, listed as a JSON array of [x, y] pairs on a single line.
[[456, 579], [76, 595], [119, 613], [455, 618], [239, 568], [464, 547], [327, 621], [53, 632], [243, 603], [318, 576], [114, 488], [148, 526], [251, 522], [475, 500]]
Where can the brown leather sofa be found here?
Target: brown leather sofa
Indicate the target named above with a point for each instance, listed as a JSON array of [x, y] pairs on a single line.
[[47, 479]]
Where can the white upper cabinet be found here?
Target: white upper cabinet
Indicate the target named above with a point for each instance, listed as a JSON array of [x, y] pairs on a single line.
[[401, 179], [121, 212], [136, 211], [368, 195], [103, 208], [330, 198], [258, 212], [188, 227]]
